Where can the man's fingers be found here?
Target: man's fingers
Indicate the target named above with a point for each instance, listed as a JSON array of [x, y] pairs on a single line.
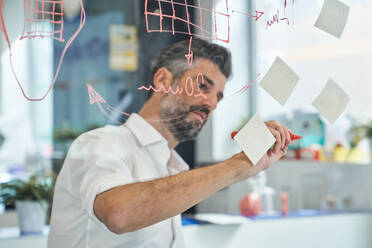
[[269, 152], [288, 136], [283, 137], [284, 151], [278, 143], [281, 134]]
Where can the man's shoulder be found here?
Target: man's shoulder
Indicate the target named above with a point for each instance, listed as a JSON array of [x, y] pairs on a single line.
[[107, 138], [108, 132]]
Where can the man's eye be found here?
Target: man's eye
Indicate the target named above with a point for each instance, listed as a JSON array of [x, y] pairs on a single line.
[[202, 86]]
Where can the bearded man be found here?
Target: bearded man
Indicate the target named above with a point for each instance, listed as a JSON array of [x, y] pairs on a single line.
[[126, 186]]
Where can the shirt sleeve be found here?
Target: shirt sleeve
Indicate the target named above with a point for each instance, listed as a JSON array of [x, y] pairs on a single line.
[[96, 168]]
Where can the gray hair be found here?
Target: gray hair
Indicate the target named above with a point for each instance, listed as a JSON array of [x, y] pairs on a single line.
[[173, 58]]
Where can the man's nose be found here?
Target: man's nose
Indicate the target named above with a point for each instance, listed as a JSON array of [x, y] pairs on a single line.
[[211, 101]]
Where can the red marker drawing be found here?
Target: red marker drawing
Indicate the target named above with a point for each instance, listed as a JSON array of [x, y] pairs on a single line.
[[293, 136]]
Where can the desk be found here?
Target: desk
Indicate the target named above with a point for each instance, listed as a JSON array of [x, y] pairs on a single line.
[[325, 231]]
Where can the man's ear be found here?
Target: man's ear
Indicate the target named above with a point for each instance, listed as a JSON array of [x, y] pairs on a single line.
[[163, 78]]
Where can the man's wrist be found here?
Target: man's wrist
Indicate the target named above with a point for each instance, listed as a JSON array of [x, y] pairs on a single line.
[[242, 168]]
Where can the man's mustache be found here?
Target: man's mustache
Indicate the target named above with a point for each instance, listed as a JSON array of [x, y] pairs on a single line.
[[203, 109]]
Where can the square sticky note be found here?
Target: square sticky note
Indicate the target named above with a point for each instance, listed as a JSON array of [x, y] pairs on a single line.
[[280, 81], [333, 17], [255, 139], [332, 101]]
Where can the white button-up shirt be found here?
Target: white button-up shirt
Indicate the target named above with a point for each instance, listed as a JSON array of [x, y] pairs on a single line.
[[98, 161]]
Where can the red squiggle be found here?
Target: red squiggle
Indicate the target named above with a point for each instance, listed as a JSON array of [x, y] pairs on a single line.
[[245, 88], [179, 90], [68, 44], [162, 89], [95, 98], [276, 18]]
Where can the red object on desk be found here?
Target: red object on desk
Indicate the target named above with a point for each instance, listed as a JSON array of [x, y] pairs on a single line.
[[250, 204], [284, 200], [293, 136]]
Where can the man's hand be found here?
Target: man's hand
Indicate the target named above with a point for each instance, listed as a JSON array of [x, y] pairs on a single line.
[[282, 136]]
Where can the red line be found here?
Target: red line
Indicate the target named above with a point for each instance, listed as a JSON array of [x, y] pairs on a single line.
[[46, 32], [43, 14], [47, 1], [47, 12], [3, 26], [146, 16], [37, 14], [161, 16], [198, 35], [190, 45], [46, 20], [198, 7], [241, 12], [215, 19], [201, 17], [121, 112], [41, 36], [27, 15], [188, 17], [54, 9], [189, 56], [29, 8], [228, 22], [257, 17], [177, 18], [246, 87], [173, 17], [62, 24], [180, 32]]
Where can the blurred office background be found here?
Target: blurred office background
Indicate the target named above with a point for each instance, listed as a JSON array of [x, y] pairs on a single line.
[[326, 178]]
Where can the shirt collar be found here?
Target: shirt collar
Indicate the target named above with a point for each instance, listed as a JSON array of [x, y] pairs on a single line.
[[176, 164], [144, 131]]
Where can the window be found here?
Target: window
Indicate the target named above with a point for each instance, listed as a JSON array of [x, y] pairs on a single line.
[[317, 56]]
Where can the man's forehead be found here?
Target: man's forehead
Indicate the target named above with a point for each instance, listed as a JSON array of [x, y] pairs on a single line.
[[208, 69]]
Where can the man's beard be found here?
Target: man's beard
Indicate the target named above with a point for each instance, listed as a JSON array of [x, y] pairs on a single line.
[[174, 114]]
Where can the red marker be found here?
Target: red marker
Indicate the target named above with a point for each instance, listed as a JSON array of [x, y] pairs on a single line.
[[293, 136], [233, 134]]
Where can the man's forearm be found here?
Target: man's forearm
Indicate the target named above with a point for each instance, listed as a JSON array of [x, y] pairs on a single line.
[[134, 206]]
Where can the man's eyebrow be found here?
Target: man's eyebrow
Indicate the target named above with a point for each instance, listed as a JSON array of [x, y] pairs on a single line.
[[209, 81]]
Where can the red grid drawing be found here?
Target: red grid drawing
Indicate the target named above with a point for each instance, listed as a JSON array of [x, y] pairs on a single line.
[[161, 15], [39, 12]]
